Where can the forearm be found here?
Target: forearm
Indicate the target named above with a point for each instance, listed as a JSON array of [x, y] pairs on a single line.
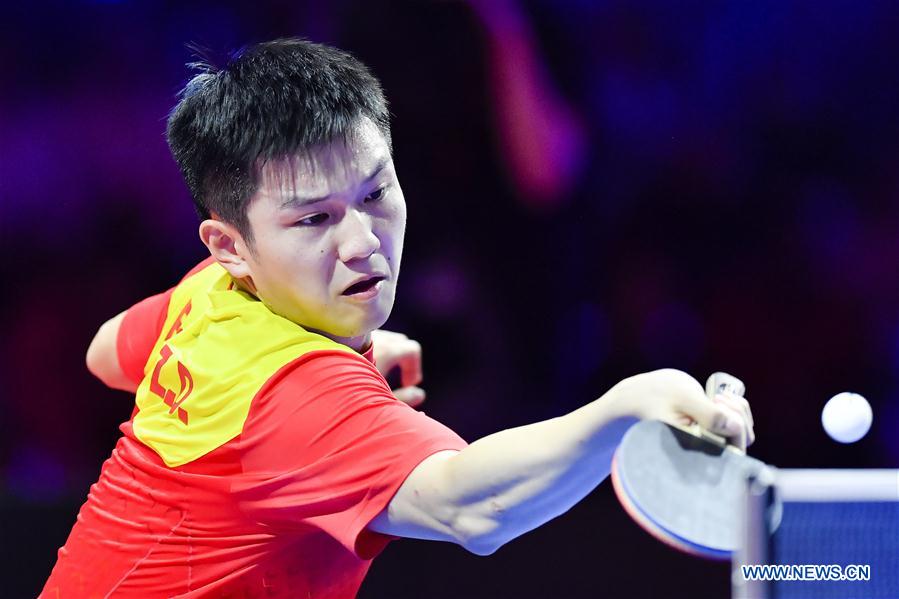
[[510, 482]]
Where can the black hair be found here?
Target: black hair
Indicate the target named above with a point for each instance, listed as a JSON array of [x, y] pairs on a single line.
[[272, 100]]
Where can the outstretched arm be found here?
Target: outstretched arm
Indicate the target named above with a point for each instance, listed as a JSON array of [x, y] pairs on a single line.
[[103, 359], [508, 483]]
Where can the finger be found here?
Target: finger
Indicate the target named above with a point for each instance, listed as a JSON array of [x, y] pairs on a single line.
[[713, 417], [412, 396], [410, 364], [741, 406], [742, 436], [740, 403]]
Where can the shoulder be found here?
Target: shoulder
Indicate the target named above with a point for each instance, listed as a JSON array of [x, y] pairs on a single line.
[[318, 403], [325, 377]]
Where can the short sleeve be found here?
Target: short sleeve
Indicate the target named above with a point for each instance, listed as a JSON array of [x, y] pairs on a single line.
[[139, 332], [327, 445]]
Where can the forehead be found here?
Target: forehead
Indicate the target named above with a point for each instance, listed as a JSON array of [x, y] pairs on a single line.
[[327, 168]]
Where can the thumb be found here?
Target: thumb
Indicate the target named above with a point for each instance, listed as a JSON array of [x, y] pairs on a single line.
[[412, 396]]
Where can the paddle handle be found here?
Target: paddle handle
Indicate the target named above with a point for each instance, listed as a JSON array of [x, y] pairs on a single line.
[[718, 382]]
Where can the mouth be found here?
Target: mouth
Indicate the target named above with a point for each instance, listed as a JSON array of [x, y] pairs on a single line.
[[364, 287]]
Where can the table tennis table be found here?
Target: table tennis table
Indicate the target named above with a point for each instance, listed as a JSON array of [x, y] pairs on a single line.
[[823, 533]]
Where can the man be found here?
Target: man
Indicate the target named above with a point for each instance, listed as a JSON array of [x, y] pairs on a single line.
[[266, 455]]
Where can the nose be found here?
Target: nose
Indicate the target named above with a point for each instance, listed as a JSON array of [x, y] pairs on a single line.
[[356, 237]]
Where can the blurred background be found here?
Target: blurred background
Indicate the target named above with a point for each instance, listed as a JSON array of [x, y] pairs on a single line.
[[595, 189]]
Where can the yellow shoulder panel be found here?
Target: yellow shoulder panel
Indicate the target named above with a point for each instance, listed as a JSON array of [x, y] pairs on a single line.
[[218, 347]]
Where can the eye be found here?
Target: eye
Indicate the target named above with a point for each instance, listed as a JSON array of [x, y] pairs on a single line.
[[311, 221], [376, 195]]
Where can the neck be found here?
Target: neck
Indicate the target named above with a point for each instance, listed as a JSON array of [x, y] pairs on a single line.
[[359, 344]]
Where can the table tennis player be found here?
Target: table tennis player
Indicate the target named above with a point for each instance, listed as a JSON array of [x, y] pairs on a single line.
[[266, 454]]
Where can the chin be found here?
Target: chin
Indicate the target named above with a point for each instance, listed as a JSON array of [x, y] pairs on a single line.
[[370, 325], [382, 316]]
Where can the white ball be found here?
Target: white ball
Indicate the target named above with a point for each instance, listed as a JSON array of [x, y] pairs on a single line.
[[847, 417]]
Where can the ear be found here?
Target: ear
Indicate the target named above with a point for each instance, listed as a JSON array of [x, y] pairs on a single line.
[[227, 246]]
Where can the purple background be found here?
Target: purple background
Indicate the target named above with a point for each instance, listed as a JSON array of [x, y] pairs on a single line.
[[732, 205]]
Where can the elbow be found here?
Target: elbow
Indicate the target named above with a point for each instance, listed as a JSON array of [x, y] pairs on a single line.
[[97, 353], [482, 548], [92, 360], [101, 358], [479, 535]]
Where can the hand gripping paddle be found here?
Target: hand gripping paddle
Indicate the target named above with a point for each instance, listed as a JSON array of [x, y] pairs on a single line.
[[683, 485]]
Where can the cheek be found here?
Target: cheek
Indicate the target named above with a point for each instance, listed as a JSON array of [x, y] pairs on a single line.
[[401, 211], [294, 267], [395, 226], [391, 237]]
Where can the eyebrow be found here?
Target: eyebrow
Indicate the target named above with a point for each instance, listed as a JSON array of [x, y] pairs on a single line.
[[298, 202]]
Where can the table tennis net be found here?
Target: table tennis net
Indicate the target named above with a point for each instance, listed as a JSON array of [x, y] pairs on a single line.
[[840, 533]]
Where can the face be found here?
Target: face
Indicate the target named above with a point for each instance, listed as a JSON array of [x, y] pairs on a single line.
[[328, 237]]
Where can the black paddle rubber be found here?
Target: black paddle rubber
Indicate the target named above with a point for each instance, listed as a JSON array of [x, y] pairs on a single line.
[[685, 489]]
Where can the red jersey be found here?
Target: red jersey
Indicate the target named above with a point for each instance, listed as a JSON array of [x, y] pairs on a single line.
[[256, 456]]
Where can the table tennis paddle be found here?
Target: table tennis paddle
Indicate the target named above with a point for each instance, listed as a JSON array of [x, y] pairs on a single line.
[[683, 485]]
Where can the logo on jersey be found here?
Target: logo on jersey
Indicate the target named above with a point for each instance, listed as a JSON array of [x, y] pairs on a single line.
[[170, 397], [173, 399]]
